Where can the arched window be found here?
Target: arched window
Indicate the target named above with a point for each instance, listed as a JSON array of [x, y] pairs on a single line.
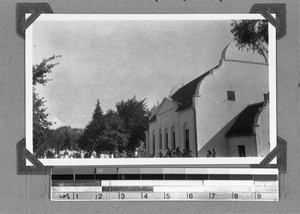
[[153, 143], [160, 139], [166, 139], [173, 145], [186, 135]]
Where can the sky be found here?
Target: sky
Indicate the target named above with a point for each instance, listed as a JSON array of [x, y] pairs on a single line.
[[117, 60]]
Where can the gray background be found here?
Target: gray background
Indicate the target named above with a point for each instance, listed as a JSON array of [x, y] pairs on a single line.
[[28, 194]]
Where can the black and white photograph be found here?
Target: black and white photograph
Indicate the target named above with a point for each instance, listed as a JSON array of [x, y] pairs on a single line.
[[124, 89], [149, 106]]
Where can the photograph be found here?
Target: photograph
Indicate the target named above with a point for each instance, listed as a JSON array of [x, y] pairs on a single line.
[[150, 89], [150, 106]]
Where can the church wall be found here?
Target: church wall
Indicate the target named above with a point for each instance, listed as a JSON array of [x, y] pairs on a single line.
[[166, 121], [218, 142], [187, 121], [248, 141], [214, 111], [152, 138]]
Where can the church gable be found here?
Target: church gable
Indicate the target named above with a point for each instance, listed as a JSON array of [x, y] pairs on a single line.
[[166, 105]]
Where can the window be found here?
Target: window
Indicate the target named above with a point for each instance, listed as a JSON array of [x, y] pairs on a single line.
[[166, 139], [153, 143], [187, 140], [160, 139], [173, 139], [242, 150], [231, 95]]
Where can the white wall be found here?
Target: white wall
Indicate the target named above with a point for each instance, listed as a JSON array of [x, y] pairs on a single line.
[[166, 118], [187, 121], [214, 111], [248, 141]]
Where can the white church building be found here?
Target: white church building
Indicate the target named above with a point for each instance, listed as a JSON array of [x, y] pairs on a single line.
[[225, 108]]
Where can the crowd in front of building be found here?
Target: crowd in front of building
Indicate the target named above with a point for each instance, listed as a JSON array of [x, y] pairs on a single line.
[[175, 153], [69, 153]]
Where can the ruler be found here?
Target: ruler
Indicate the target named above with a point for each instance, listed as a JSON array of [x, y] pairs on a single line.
[[164, 184]]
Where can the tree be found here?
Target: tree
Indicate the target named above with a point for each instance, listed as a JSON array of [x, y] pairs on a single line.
[[142, 149], [41, 70], [58, 139], [74, 135], [105, 132], [251, 34], [114, 137], [93, 130], [64, 137], [134, 113], [40, 123]]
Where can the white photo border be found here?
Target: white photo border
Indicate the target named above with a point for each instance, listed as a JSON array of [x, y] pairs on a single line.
[[172, 162]]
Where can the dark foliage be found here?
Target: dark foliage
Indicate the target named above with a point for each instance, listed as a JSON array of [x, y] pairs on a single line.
[[104, 133], [41, 70], [134, 113], [251, 34], [40, 123], [64, 137], [93, 130], [114, 137]]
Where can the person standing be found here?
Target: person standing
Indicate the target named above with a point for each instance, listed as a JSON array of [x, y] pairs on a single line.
[[178, 152], [214, 153], [169, 153]]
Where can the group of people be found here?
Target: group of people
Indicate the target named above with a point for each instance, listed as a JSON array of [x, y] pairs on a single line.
[[175, 153], [67, 154], [212, 153]]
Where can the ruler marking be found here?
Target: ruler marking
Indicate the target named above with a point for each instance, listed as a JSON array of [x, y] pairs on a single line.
[[164, 184], [234, 196]]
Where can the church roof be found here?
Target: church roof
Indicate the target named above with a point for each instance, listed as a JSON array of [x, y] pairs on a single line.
[[245, 121], [184, 95]]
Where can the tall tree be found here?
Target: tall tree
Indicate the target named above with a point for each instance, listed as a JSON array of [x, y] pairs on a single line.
[[251, 34], [40, 122], [134, 113], [104, 133], [93, 130], [114, 137]]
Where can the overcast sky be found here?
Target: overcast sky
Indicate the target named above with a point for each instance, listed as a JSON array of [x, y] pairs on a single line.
[[116, 60]]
